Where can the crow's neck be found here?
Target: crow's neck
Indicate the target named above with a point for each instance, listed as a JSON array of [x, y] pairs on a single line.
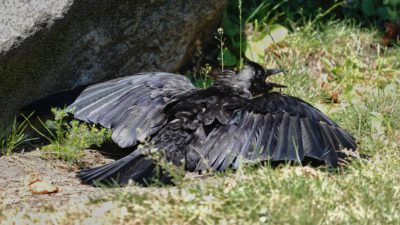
[[239, 82]]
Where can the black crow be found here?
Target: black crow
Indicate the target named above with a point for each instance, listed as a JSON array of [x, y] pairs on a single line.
[[237, 119]]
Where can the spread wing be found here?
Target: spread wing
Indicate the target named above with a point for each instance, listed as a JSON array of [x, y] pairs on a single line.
[[275, 127], [131, 106]]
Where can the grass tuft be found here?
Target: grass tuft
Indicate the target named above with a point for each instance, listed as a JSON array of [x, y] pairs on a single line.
[[69, 139], [338, 67], [14, 138]]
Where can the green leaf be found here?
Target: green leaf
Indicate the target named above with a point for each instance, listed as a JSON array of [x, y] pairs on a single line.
[[230, 28], [393, 14], [203, 83], [392, 3], [229, 58], [278, 32], [256, 45], [253, 52], [383, 13], [368, 7]]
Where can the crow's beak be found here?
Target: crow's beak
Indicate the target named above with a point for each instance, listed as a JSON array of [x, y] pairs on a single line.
[[270, 72], [275, 85]]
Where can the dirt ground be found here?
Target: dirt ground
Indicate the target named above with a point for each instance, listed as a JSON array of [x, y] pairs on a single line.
[[18, 170]]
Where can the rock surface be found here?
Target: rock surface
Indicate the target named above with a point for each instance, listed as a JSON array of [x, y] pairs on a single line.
[[54, 45]]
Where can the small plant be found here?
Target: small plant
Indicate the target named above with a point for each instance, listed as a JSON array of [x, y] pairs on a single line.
[[245, 29], [204, 73], [15, 138], [202, 79], [68, 139], [240, 33], [221, 40]]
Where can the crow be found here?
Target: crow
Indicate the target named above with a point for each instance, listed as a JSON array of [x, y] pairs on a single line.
[[237, 119]]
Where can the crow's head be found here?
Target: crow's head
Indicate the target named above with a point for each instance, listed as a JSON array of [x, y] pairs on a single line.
[[255, 75]]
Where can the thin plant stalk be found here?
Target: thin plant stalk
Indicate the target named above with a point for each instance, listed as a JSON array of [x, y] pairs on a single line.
[[240, 34]]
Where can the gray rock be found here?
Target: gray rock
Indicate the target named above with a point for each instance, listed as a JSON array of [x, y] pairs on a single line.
[[53, 45]]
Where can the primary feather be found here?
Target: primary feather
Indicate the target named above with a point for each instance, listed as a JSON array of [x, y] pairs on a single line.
[[218, 127], [129, 103]]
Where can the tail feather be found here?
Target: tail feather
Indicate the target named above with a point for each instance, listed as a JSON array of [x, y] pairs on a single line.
[[135, 167]]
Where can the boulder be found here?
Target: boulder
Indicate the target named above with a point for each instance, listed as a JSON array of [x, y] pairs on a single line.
[[54, 45]]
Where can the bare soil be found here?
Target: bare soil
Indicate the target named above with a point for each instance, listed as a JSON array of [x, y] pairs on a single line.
[[20, 169]]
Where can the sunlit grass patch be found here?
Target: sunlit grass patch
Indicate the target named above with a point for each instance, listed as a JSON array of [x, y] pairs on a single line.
[[338, 58]]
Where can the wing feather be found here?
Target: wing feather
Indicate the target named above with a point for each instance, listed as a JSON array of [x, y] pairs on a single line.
[[277, 127], [131, 103], [310, 138], [266, 128], [280, 150], [272, 139], [295, 143], [329, 151]]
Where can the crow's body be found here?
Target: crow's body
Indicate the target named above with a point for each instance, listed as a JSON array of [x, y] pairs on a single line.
[[217, 127]]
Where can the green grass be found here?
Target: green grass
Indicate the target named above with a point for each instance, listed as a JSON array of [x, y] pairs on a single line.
[[337, 57], [14, 137], [345, 59], [68, 139]]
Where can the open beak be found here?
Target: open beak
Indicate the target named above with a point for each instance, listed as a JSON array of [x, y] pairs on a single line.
[[270, 72]]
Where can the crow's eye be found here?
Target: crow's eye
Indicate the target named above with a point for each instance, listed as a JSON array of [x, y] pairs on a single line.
[[259, 73]]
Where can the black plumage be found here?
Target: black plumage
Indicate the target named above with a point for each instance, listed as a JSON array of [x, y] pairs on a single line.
[[238, 119]]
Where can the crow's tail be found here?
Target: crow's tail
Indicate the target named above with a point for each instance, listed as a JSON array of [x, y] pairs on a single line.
[[135, 167]]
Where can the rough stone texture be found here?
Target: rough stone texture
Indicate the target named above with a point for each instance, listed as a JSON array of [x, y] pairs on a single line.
[[53, 45]]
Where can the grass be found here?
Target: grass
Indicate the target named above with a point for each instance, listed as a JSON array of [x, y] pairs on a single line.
[[14, 138], [345, 63], [337, 62]]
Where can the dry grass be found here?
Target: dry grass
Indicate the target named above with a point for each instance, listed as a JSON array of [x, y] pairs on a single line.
[[339, 62]]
